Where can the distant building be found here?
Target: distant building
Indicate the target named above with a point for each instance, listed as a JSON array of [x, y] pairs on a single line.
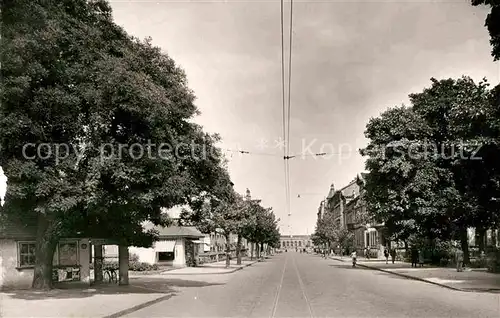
[[295, 241], [178, 246], [368, 234], [337, 201]]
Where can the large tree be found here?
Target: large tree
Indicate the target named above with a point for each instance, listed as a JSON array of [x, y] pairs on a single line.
[[493, 24], [426, 177], [95, 127], [460, 116], [402, 187], [324, 233]]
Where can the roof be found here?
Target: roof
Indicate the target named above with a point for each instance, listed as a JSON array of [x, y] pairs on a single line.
[[15, 227], [178, 231], [297, 237], [331, 192], [349, 188]]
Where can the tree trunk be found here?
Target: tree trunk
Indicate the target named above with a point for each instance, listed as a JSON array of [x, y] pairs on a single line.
[[46, 242], [251, 250], [98, 275], [123, 259], [228, 251], [238, 250], [464, 240], [257, 246]]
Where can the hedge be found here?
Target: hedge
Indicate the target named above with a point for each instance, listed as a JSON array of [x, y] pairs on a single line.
[[133, 266]]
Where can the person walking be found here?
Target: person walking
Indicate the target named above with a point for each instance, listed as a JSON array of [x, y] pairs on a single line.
[[421, 258], [459, 259], [386, 254], [393, 255], [414, 257], [354, 257]]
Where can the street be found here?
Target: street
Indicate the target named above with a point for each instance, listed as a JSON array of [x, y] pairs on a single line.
[[303, 285]]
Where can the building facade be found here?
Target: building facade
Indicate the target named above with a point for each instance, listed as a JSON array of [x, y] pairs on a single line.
[[295, 241], [321, 209], [337, 200], [177, 246], [368, 234], [71, 262], [348, 207]]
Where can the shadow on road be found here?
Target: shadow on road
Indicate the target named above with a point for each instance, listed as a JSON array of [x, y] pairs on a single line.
[[348, 266], [141, 285]]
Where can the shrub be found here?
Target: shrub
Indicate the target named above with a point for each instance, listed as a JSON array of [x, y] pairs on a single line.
[[133, 266], [142, 267], [133, 257], [493, 263], [479, 263]]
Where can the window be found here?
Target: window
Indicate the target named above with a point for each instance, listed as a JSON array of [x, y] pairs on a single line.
[[26, 254], [165, 256]]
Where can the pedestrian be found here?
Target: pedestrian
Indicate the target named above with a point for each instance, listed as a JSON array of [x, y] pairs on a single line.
[[421, 258], [414, 257], [354, 258], [386, 254], [459, 259], [393, 255]]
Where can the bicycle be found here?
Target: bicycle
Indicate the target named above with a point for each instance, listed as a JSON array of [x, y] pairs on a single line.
[[110, 276]]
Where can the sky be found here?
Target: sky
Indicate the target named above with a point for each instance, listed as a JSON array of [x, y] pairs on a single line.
[[351, 60]]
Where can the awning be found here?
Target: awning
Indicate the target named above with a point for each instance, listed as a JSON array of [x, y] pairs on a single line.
[[165, 246], [200, 242]]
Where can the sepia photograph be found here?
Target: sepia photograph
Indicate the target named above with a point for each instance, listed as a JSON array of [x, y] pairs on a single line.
[[250, 158]]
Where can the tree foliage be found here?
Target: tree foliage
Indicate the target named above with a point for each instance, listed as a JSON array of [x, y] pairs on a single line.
[[425, 176], [329, 232], [493, 24], [119, 112], [262, 226]]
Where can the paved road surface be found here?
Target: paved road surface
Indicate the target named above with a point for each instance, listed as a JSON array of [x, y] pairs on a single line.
[[302, 285]]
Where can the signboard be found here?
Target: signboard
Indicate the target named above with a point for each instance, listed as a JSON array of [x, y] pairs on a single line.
[[68, 253]]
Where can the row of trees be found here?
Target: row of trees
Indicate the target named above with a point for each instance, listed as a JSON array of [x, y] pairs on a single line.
[[233, 214], [433, 165], [89, 120], [330, 235]]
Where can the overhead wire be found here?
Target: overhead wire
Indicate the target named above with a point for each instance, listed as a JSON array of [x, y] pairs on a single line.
[[284, 115], [292, 156], [287, 162]]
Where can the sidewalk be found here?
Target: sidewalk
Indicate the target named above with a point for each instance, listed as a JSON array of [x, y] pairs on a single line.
[[210, 268], [112, 301], [476, 280], [99, 301]]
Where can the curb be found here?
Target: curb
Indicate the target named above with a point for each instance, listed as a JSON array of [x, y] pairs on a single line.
[[414, 278], [139, 307], [468, 290], [209, 273]]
